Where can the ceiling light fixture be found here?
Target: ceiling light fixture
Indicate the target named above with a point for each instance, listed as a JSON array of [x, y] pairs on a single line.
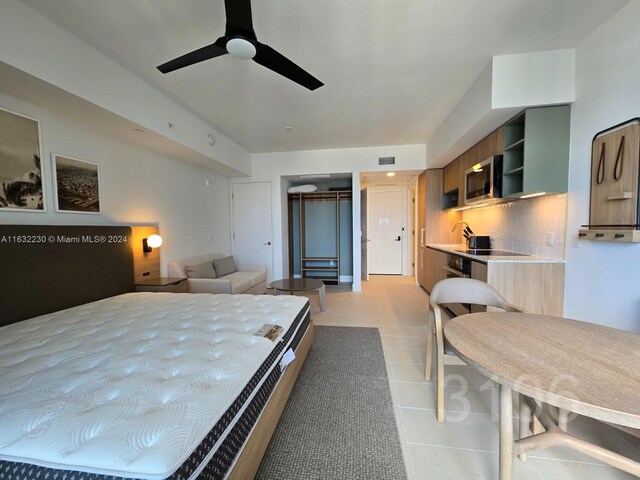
[[391, 174], [241, 48], [316, 175]]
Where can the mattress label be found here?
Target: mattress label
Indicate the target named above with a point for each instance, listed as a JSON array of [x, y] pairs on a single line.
[[270, 331], [288, 357]]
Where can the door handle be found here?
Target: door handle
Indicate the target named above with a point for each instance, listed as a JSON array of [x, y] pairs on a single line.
[[398, 238], [268, 243]]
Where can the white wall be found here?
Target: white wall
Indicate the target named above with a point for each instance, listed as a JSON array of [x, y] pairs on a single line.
[[506, 85], [272, 166], [137, 186], [529, 79], [34, 44], [602, 283]]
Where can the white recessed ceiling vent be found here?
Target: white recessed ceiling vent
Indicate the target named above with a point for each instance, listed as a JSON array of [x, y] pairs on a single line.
[[386, 160]]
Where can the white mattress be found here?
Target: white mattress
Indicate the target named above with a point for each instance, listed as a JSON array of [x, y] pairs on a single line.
[[129, 385]]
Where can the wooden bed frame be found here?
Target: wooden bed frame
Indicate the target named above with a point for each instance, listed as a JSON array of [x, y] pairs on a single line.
[[248, 461], [45, 276]]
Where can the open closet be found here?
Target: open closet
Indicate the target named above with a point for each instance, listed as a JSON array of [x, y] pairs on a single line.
[[320, 235]]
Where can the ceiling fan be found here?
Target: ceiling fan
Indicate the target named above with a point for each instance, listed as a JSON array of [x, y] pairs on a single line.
[[240, 41]]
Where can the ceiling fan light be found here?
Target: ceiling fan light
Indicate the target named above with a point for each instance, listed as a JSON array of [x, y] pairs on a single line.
[[241, 48]]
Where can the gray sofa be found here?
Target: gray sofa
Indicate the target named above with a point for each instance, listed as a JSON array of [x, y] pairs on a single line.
[[250, 279]]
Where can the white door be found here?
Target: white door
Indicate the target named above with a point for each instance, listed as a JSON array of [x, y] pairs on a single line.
[[385, 232], [252, 230], [364, 239]]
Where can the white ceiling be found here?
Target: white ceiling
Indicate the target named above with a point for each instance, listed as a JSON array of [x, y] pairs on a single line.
[[393, 69]]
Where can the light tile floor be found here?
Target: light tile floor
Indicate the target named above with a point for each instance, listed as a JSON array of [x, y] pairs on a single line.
[[466, 446]]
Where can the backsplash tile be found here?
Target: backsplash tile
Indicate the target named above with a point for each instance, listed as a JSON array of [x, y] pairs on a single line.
[[522, 226]]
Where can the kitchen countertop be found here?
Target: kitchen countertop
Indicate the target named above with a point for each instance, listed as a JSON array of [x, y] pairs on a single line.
[[451, 248]]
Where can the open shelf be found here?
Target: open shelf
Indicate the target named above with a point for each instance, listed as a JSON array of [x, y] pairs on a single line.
[[450, 199], [515, 171], [518, 145], [315, 219]]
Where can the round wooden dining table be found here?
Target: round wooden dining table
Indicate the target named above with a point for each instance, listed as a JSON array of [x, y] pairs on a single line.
[[576, 366]]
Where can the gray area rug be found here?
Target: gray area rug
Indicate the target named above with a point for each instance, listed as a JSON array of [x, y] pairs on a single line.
[[339, 421]]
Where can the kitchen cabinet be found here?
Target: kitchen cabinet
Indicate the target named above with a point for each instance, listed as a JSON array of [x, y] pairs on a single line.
[[421, 263], [435, 260], [454, 172], [434, 225], [537, 285], [479, 271], [450, 176], [536, 152]]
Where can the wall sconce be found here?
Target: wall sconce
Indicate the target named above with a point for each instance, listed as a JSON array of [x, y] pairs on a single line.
[[148, 244]]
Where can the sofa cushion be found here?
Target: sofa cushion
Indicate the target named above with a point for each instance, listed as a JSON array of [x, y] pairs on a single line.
[[200, 270], [254, 277], [239, 284], [224, 266]]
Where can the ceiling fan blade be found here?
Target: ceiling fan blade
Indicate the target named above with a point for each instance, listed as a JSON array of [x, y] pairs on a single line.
[[205, 53], [239, 18], [270, 58]]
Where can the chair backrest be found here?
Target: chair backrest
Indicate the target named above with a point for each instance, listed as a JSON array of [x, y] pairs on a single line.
[[466, 290]]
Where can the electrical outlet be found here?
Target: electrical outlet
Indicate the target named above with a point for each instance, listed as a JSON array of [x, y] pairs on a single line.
[[550, 238]]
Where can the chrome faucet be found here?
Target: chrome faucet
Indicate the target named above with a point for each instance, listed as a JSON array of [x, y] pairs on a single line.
[[462, 222], [467, 233]]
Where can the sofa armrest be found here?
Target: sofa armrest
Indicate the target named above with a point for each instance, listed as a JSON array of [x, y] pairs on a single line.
[[251, 268], [209, 285]]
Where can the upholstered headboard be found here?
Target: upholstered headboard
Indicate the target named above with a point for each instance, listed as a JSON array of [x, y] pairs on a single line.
[[45, 268]]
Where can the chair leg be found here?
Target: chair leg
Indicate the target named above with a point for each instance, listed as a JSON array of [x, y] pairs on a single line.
[[427, 370], [440, 388], [525, 421]]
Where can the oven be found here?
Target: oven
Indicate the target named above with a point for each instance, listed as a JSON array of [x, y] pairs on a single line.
[[457, 267]]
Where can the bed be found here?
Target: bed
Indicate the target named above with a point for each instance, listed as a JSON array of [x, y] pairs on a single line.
[[146, 385]]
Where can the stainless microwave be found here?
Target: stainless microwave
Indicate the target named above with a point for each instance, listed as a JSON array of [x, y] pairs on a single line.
[[483, 181]]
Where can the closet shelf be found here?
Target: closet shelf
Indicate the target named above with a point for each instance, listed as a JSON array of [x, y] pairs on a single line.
[[317, 229]]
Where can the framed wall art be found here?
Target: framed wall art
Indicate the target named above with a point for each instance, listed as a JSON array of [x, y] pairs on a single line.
[[77, 185], [21, 185]]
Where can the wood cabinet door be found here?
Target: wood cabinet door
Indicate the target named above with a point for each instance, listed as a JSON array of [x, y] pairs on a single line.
[[435, 261], [479, 271], [450, 180], [421, 228]]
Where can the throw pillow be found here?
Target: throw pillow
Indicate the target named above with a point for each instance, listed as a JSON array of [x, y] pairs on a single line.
[[200, 270], [224, 266]]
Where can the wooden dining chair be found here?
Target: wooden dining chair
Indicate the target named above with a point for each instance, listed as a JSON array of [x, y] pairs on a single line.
[[454, 290]]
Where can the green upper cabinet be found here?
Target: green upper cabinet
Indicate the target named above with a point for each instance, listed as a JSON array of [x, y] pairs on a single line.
[[536, 152]]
